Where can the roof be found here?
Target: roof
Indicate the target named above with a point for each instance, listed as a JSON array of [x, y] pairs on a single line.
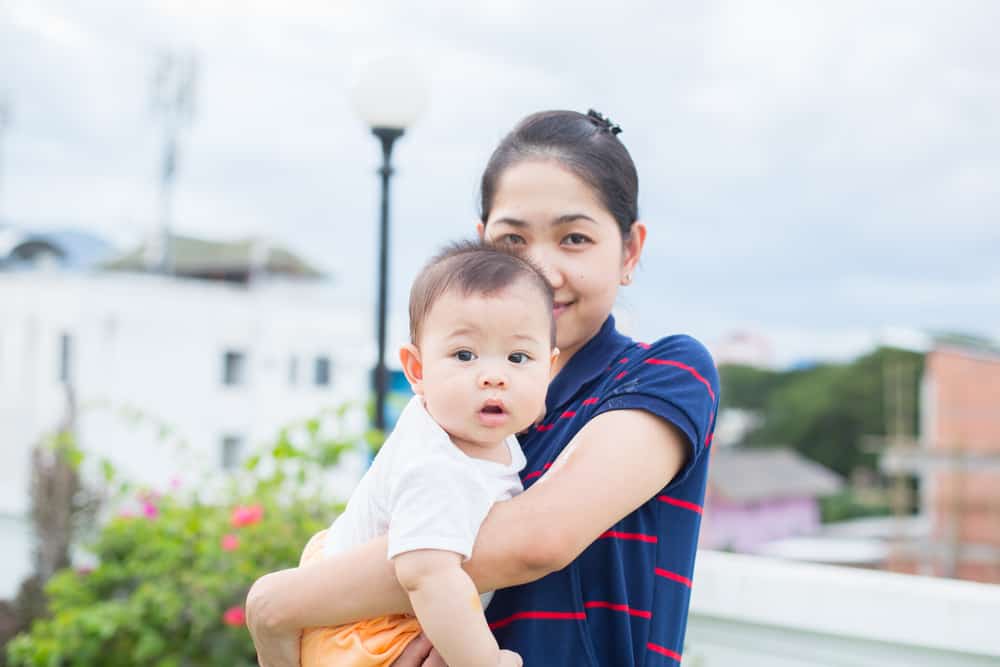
[[202, 257], [21, 248], [746, 475]]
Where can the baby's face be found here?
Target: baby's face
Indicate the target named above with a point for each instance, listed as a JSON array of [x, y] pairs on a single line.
[[486, 362]]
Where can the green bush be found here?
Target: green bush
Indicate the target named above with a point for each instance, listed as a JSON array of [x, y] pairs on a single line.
[[172, 576]]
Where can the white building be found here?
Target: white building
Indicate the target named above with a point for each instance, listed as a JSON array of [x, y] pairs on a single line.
[[221, 364]]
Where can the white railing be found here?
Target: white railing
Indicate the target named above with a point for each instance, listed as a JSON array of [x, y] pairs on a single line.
[[748, 611]]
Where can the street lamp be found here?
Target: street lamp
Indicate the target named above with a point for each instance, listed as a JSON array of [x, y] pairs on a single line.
[[389, 93]]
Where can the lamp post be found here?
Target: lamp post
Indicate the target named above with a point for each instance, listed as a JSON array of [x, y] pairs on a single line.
[[389, 93]]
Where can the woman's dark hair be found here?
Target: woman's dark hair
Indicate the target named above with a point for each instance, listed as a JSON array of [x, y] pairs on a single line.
[[586, 144]]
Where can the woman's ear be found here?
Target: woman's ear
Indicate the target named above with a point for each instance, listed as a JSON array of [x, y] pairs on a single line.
[[481, 230], [633, 251], [413, 368]]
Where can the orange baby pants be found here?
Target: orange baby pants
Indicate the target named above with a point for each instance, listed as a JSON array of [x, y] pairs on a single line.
[[375, 642]]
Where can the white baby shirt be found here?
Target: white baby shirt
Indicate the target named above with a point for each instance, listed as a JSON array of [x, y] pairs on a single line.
[[424, 491]]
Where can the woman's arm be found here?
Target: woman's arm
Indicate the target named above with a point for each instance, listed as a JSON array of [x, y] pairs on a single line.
[[615, 463]]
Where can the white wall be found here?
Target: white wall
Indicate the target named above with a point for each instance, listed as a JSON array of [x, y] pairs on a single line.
[[156, 344], [750, 611]]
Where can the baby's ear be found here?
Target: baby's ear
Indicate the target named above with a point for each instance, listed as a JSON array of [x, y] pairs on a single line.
[[413, 368], [552, 361]]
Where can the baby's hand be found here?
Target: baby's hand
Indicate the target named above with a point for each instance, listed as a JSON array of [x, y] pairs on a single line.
[[509, 659]]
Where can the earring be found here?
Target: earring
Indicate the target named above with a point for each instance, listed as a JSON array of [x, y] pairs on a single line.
[[627, 280]]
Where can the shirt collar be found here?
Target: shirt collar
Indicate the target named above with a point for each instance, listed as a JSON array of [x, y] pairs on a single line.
[[589, 361]]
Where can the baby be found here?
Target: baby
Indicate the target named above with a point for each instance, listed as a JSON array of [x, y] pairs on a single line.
[[481, 353]]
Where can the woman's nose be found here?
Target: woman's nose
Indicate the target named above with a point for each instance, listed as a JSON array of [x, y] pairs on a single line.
[[549, 268]]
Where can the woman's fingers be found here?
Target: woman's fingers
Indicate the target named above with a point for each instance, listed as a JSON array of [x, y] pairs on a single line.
[[415, 654], [434, 660]]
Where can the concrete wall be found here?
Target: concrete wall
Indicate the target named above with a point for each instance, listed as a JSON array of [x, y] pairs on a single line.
[[748, 611]]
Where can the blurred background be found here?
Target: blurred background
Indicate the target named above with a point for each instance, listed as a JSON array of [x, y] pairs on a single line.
[[189, 280]]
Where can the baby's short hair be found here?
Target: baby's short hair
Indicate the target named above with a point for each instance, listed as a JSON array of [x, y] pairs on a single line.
[[474, 268]]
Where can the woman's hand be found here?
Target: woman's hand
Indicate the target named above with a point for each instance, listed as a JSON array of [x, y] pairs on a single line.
[[276, 647], [419, 653], [510, 659]]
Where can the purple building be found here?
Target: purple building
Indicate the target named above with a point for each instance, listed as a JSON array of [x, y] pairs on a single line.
[[756, 496]]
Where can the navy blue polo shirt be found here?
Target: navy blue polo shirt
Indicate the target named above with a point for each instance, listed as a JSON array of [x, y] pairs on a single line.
[[624, 600]]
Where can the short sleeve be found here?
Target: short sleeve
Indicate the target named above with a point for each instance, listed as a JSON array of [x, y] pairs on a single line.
[[674, 378], [437, 503]]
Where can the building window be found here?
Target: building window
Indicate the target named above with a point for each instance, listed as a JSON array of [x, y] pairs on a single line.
[[233, 368], [65, 357], [232, 452], [293, 371], [323, 371]]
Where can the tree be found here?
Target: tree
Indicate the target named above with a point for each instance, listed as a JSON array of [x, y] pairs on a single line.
[[826, 412]]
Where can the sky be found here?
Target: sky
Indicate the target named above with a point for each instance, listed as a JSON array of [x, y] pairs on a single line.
[[822, 174]]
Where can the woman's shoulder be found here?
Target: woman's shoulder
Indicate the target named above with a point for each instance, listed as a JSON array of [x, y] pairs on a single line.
[[677, 351], [677, 364]]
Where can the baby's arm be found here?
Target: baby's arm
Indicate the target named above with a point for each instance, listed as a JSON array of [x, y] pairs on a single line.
[[447, 605]]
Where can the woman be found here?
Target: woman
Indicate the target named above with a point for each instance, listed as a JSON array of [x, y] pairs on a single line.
[[595, 558]]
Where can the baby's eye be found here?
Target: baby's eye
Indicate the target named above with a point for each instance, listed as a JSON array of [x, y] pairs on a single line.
[[464, 355], [518, 358], [575, 239], [512, 239]]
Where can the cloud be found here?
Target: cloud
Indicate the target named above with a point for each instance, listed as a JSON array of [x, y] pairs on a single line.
[[813, 164]]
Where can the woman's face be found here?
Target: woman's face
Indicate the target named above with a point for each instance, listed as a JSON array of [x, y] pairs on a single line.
[[562, 225]]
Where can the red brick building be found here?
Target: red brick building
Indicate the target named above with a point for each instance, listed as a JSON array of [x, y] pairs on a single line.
[[960, 432]]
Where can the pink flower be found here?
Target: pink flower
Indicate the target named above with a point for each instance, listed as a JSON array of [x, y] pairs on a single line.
[[84, 570], [175, 483], [246, 515], [234, 616], [126, 514], [230, 542], [149, 510]]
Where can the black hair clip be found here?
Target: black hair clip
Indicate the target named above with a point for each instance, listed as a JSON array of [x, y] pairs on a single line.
[[604, 122]]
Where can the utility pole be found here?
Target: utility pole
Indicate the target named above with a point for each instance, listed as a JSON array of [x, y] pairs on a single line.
[[4, 123], [173, 94]]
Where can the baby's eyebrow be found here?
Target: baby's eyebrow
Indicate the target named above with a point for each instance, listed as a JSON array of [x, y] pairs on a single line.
[[464, 331]]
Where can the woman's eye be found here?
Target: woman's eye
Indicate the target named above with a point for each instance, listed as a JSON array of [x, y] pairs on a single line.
[[464, 355], [518, 358], [575, 239], [512, 239]]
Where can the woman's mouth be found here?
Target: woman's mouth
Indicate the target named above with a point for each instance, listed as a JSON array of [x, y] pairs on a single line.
[[559, 307]]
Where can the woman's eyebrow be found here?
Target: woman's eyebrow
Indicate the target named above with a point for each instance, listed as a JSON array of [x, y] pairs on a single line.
[[513, 222], [561, 220], [572, 217]]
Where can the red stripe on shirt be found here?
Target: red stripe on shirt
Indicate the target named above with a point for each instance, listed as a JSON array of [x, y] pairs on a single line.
[[663, 651], [545, 427], [698, 376], [590, 401], [614, 534], [621, 375], [598, 604], [540, 615], [623, 360], [568, 414], [538, 473], [644, 346], [680, 503], [673, 576]]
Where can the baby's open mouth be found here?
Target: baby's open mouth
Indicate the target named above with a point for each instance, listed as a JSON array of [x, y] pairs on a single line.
[[492, 409]]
